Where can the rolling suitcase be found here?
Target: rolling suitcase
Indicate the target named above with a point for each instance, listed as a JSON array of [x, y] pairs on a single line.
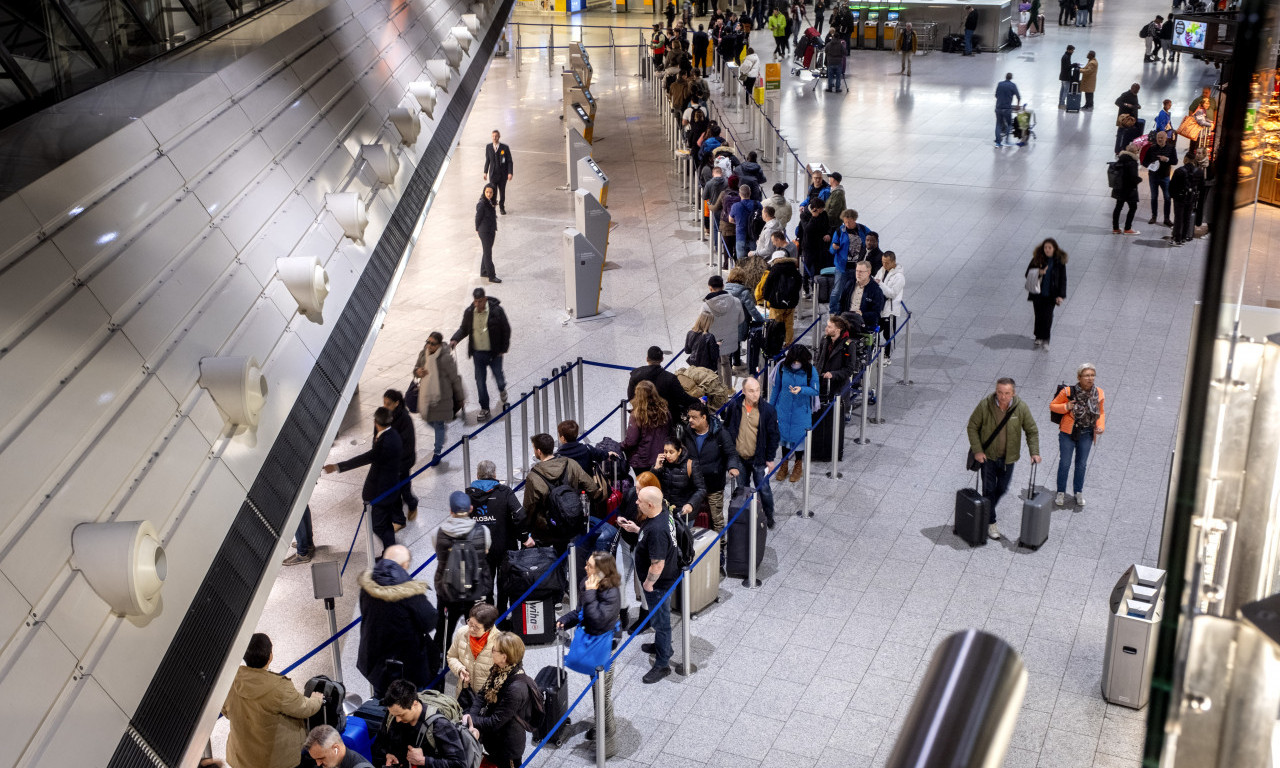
[[973, 515], [1036, 511], [821, 445], [704, 580], [739, 535], [535, 620], [554, 684], [775, 337], [823, 284], [1073, 97], [331, 712]]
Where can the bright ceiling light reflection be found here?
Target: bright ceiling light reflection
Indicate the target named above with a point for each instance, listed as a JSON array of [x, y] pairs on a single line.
[[76, 211], [108, 237]]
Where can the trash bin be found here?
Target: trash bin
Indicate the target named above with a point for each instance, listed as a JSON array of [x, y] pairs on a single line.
[[1137, 603]]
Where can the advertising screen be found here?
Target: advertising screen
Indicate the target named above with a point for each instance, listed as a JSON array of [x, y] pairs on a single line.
[[1189, 34], [892, 16]]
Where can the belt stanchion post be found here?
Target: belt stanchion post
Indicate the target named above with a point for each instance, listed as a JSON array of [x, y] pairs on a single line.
[[566, 384], [551, 49], [836, 413], [813, 342], [572, 564], [555, 392], [546, 408], [879, 386], [506, 430], [582, 396], [622, 416], [334, 651], [813, 297], [808, 470], [686, 618], [368, 533], [613, 48], [862, 420], [750, 582], [466, 458], [601, 740], [524, 437], [906, 352]]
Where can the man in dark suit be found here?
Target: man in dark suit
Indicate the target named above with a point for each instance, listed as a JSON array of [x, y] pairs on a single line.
[[665, 381], [498, 168], [383, 460]]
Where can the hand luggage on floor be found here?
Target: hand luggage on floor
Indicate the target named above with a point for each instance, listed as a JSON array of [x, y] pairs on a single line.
[[553, 682], [822, 434], [954, 43], [973, 515], [374, 715], [704, 579], [524, 567], [775, 337], [1073, 97], [823, 285], [1036, 511], [535, 620], [331, 713], [738, 537], [356, 737]]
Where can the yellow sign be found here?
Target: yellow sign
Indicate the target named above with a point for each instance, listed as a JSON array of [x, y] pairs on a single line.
[[773, 76]]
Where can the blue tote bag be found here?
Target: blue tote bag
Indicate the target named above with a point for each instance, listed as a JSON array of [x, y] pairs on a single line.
[[588, 651]]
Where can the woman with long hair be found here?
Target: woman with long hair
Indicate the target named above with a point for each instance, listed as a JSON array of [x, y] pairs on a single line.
[[700, 345], [648, 427], [601, 608], [502, 707], [487, 229], [794, 388], [1049, 263]]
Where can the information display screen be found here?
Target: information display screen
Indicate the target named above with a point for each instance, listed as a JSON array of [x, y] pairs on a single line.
[[1188, 33], [891, 16]]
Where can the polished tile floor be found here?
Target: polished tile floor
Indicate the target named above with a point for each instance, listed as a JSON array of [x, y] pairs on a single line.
[[819, 666]]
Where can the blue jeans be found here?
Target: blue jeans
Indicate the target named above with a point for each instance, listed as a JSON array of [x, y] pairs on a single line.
[[1157, 185], [661, 622], [603, 537], [835, 73], [742, 246], [1080, 446], [1064, 88], [483, 360], [968, 41], [304, 537], [764, 489], [996, 475], [843, 282], [1081, 18], [1004, 123], [440, 430]]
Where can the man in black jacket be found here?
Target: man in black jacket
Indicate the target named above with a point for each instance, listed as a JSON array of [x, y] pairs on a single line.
[[496, 507], [585, 454], [415, 734], [700, 41], [752, 422], [864, 297], [970, 26], [383, 460], [498, 168], [837, 358], [402, 423], [398, 619], [708, 443], [1066, 73], [665, 381], [488, 334]]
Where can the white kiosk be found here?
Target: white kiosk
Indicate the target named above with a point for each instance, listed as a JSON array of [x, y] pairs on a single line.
[[580, 62], [593, 180], [576, 147], [570, 80], [592, 220], [583, 270]]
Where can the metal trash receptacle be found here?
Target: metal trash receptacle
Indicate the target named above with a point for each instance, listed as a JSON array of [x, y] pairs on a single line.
[[1137, 603]]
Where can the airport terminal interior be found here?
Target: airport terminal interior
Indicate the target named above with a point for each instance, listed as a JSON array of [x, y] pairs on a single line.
[[219, 248]]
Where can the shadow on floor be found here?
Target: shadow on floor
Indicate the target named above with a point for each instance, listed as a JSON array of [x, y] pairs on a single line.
[[1006, 341]]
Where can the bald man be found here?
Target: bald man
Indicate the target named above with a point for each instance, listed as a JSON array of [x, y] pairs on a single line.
[[658, 558], [396, 634], [753, 424]]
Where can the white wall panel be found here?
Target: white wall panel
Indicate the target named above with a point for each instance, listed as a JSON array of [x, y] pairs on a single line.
[[28, 286], [18, 228], [347, 110], [315, 62], [75, 183], [33, 365], [329, 176], [260, 201], [286, 127], [181, 368], [102, 229], [221, 187], [78, 615], [14, 611], [30, 687], [269, 97], [278, 238], [258, 333], [207, 144], [190, 108], [320, 241], [70, 419], [162, 314], [342, 281], [121, 284], [313, 146], [94, 719], [164, 487], [91, 490], [331, 85], [188, 552], [345, 37]]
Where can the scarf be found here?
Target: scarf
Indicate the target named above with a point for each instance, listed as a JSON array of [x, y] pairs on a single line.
[[497, 678], [478, 644], [432, 379], [1085, 409]]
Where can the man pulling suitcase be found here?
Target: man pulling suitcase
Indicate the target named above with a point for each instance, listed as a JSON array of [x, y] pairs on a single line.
[[995, 442]]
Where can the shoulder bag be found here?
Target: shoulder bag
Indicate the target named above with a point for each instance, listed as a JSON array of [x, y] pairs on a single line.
[[1033, 281], [971, 463]]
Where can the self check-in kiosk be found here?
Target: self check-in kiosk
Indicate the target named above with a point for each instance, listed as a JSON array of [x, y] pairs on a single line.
[[575, 149], [592, 219], [580, 62], [889, 30], [870, 30], [856, 39], [583, 270], [576, 116], [593, 180]]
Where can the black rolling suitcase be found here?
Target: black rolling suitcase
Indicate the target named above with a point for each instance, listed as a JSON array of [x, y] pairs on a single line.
[[553, 682], [1073, 97], [954, 43], [973, 515], [534, 620], [739, 535], [822, 433], [775, 337], [823, 284]]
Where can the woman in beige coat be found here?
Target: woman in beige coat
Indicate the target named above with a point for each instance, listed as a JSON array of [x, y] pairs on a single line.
[[471, 668], [441, 394], [1089, 79]]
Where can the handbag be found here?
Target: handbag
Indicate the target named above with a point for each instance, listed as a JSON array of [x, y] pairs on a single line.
[[1126, 121], [411, 396], [1189, 128], [588, 651], [1033, 281], [970, 462]]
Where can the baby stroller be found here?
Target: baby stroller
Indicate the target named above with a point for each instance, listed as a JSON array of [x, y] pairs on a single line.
[[809, 45], [1024, 123]]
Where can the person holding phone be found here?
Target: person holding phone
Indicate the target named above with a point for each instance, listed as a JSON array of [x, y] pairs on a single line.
[[793, 391]]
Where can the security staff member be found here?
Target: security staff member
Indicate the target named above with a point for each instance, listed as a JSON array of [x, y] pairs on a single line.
[[498, 168]]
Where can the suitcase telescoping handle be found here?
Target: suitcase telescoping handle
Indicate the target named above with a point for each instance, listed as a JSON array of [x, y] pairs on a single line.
[[1031, 482]]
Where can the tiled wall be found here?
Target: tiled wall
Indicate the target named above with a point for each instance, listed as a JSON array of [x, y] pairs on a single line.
[[124, 267]]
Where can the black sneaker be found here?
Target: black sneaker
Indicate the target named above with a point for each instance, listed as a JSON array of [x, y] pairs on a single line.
[[655, 674], [769, 524], [649, 647]]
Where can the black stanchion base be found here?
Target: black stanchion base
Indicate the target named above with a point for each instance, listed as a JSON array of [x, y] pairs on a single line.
[[905, 381], [801, 513], [679, 668], [839, 475], [747, 583]]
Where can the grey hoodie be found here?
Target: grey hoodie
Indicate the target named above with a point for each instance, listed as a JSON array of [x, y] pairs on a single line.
[[726, 316]]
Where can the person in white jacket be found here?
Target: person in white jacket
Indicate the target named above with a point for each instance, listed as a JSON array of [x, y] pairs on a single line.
[[750, 70], [771, 225], [894, 285]]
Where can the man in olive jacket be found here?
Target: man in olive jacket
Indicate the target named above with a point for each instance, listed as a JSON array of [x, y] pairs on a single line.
[[267, 714], [1003, 447]]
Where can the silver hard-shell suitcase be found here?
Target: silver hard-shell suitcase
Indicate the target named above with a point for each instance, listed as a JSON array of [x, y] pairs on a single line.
[[1037, 508]]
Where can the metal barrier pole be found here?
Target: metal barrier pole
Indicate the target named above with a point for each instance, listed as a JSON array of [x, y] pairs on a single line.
[[602, 722], [862, 421], [524, 437], [582, 393], [808, 469], [555, 392], [814, 341], [613, 48], [573, 574], [336, 653], [813, 297], [879, 386], [546, 408], [750, 582], [836, 413], [511, 469], [368, 533], [906, 353], [622, 415], [466, 458], [686, 618], [551, 50]]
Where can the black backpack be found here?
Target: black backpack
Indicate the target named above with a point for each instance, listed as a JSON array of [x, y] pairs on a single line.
[[466, 577], [331, 712], [784, 289], [682, 537], [1115, 175], [1145, 31], [1054, 416], [566, 516]]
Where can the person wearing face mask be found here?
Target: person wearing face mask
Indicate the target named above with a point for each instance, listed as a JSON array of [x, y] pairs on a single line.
[[794, 388], [682, 483]]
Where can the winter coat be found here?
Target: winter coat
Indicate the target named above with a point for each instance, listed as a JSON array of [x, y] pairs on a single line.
[[744, 213], [396, 737], [727, 316], [383, 460], [268, 720], [666, 383], [1053, 283], [460, 658], [872, 306], [486, 217], [1065, 66], [499, 328], [1089, 76], [712, 189], [398, 621], [781, 209], [767, 437], [750, 66], [453, 393], [834, 51], [775, 269], [722, 206], [682, 483], [1167, 155], [501, 733], [816, 253], [601, 609], [402, 423], [795, 410], [582, 452], [701, 350], [704, 382], [496, 507], [764, 243], [1129, 178], [644, 444], [838, 358], [750, 312], [456, 529], [751, 173], [893, 285], [546, 475], [983, 421], [717, 455], [835, 204]]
